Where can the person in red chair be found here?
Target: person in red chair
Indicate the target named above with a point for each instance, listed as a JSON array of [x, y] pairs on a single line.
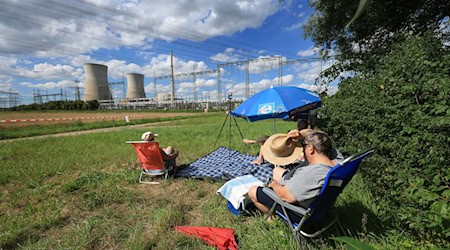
[[300, 185], [168, 153]]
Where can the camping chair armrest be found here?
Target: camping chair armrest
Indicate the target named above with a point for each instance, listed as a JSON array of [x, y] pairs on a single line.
[[365, 153], [293, 208]]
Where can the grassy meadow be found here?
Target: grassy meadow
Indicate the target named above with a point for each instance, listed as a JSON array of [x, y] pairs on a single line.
[[80, 192]]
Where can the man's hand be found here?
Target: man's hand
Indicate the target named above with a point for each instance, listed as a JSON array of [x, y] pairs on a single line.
[[298, 135], [293, 134], [282, 192]]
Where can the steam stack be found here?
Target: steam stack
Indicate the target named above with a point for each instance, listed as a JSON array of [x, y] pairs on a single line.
[[96, 86], [135, 87]]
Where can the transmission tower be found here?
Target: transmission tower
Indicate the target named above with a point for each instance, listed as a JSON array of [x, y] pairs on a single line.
[[186, 75], [37, 96], [11, 98], [122, 83], [194, 79], [246, 64], [77, 90]]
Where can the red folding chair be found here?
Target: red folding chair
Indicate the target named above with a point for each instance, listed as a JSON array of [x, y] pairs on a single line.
[[152, 163]]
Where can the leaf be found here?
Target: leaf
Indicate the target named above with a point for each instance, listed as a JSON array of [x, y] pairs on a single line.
[[363, 4], [354, 244]]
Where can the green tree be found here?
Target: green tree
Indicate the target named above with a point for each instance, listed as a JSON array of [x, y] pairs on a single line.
[[369, 37]]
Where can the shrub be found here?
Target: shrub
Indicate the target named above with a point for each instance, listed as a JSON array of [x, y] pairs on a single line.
[[402, 110]]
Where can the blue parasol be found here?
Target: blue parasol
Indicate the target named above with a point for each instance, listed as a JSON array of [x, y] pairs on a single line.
[[277, 102]]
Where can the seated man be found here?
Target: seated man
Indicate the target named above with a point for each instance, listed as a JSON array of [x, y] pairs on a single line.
[[301, 185], [298, 135]]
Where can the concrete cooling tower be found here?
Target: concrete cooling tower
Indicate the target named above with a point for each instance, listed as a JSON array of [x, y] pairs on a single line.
[[135, 87], [96, 86]]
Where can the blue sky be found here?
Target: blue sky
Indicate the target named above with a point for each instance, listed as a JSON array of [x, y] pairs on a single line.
[[44, 44]]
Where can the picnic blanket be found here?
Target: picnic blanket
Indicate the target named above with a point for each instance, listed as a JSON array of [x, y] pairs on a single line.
[[225, 164]]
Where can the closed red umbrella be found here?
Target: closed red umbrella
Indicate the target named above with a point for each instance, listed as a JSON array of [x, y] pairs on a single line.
[[222, 238]]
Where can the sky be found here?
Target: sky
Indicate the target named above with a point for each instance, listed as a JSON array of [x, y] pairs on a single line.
[[45, 43]]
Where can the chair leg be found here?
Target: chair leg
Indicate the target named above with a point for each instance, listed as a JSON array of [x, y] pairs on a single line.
[[298, 239], [170, 168], [141, 180], [318, 232]]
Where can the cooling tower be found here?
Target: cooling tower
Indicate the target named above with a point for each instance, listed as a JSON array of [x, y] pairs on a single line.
[[135, 87], [96, 86]]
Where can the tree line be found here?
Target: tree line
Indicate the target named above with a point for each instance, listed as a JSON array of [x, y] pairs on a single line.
[[59, 105]]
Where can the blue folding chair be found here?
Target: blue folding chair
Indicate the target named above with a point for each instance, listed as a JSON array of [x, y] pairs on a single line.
[[336, 180]]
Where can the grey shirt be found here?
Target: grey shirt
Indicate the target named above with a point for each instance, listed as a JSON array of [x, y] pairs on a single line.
[[306, 182], [335, 155]]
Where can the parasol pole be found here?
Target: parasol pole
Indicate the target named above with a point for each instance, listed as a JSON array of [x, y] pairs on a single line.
[[274, 126]]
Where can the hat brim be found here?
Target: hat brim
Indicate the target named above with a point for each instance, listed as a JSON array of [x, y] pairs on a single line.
[[277, 160]]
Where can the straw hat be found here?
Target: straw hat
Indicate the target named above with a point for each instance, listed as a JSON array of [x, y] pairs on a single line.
[[150, 135], [280, 150]]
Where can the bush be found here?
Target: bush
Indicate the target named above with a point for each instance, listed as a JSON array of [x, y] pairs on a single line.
[[402, 110]]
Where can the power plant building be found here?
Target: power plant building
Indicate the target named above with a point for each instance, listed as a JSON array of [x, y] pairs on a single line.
[[135, 87], [96, 85]]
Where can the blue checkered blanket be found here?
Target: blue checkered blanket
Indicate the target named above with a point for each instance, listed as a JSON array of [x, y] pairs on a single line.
[[226, 164]]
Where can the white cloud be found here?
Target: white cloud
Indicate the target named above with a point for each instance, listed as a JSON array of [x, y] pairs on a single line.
[[308, 72], [330, 89], [67, 34], [6, 63], [5, 85], [238, 89], [208, 95], [65, 28], [80, 60], [226, 56], [263, 65], [295, 26], [49, 85], [308, 52], [206, 83], [311, 87], [48, 71]]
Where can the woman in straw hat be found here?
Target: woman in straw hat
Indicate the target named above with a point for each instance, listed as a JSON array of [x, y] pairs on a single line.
[[300, 185]]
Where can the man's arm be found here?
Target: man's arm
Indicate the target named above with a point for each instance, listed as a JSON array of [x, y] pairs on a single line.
[[282, 192], [299, 135]]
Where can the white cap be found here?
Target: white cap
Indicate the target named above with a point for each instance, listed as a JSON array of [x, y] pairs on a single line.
[[149, 136]]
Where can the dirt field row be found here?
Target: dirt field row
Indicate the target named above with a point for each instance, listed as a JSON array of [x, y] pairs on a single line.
[[24, 119]]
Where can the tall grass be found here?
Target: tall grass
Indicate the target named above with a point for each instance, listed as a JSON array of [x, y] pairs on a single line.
[[81, 192]]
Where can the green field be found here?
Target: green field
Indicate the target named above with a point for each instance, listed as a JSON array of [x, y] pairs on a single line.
[[80, 192]]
